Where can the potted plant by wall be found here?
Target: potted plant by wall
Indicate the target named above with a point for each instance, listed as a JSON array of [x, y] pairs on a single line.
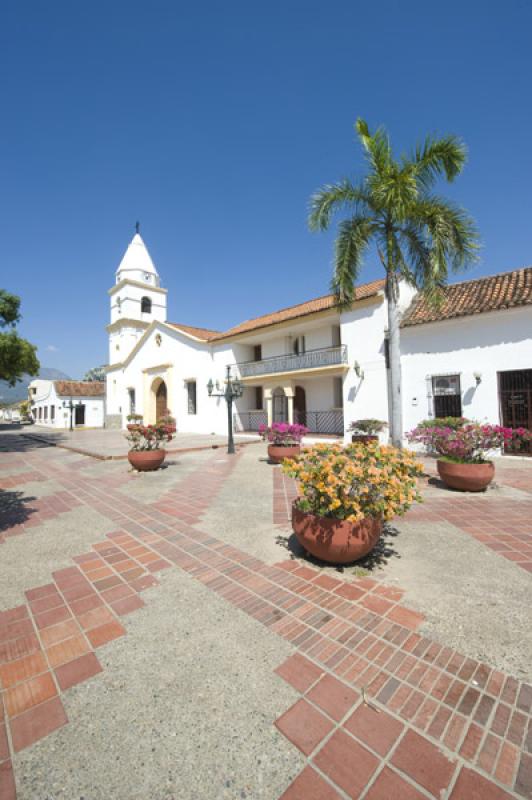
[[463, 451], [133, 421], [145, 453], [168, 420], [345, 495], [366, 430], [284, 440]]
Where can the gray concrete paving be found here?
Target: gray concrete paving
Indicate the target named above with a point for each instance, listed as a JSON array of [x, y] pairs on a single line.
[[242, 513], [149, 487], [473, 599], [109, 443], [184, 710], [28, 560]]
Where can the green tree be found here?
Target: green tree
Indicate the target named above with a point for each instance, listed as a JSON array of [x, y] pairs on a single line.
[[419, 236], [95, 374], [17, 356]]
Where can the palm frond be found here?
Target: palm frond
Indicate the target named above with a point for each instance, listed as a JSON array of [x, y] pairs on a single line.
[[451, 236], [351, 243], [393, 192], [417, 259], [333, 198], [436, 158], [377, 146]]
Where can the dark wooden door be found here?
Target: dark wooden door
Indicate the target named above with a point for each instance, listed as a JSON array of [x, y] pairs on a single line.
[[160, 401], [300, 406], [515, 395], [79, 415]]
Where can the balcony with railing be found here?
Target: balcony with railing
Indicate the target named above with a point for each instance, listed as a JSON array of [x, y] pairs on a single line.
[[292, 362]]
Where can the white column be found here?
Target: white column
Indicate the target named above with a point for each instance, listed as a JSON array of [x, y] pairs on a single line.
[[269, 405]]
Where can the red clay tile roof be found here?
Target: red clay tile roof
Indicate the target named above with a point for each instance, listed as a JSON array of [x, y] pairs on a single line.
[[292, 312], [493, 293], [79, 388], [205, 334]]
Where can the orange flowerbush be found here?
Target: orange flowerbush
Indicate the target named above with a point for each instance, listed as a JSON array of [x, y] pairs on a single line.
[[356, 481]]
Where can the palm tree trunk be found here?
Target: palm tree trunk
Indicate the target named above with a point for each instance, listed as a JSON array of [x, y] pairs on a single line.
[[394, 352]]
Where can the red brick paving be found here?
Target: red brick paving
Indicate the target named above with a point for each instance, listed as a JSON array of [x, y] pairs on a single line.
[[445, 722]]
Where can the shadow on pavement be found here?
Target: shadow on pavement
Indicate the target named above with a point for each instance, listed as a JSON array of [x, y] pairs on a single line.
[[14, 509], [383, 551], [20, 443]]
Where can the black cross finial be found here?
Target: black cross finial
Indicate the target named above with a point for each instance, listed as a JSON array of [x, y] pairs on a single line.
[[137, 226]]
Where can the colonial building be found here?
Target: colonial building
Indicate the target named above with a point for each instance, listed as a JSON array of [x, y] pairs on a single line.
[[66, 404], [313, 364]]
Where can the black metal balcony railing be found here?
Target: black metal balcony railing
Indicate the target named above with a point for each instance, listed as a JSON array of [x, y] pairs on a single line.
[[325, 422], [331, 422], [249, 420], [311, 359]]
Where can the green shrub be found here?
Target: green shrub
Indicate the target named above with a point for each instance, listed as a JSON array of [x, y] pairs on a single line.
[[444, 422]]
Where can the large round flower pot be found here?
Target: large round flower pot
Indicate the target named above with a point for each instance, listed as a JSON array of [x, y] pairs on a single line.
[[146, 460], [466, 477], [276, 452], [133, 426], [364, 438], [336, 541]]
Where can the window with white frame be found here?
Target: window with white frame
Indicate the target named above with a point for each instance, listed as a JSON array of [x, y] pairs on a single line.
[[447, 397]]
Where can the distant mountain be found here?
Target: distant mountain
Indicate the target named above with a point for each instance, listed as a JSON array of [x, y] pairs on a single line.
[[13, 394]]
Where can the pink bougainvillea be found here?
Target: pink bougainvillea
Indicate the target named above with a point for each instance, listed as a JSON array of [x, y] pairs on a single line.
[[470, 442], [282, 433]]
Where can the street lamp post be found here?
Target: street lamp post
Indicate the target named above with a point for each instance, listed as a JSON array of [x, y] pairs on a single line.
[[71, 407], [232, 390]]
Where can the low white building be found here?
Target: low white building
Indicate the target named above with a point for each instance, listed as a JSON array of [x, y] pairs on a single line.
[[313, 364], [66, 404]]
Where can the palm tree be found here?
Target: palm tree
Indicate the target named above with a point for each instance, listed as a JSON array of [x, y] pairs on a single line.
[[418, 235]]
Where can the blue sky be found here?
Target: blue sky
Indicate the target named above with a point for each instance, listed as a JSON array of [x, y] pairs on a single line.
[[213, 122]]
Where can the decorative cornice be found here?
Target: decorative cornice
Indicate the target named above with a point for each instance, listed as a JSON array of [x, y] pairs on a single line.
[[131, 282], [158, 367], [127, 322]]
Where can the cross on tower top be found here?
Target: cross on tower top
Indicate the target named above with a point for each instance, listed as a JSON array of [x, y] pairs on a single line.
[[137, 226]]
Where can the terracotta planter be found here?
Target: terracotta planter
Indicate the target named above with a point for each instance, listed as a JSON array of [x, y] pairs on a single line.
[[334, 540], [146, 460], [364, 437], [132, 426], [276, 453], [466, 477]]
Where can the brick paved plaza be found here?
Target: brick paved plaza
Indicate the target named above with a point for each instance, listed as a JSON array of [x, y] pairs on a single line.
[[162, 637]]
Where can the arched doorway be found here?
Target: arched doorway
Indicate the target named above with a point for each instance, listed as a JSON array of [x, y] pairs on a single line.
[[161, 399], [280, 405], [300, 406]]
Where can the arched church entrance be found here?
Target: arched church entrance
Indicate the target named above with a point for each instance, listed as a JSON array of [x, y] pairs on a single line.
[[280, 405], [160, 393]]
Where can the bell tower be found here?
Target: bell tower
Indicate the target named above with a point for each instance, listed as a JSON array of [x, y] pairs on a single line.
[[136, 299]]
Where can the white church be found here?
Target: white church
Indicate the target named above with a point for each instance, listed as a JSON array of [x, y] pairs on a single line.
[[311, 363]]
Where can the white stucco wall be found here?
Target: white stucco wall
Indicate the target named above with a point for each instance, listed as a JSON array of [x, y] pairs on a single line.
[[362, 330], [175, 360], [486, 343]]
